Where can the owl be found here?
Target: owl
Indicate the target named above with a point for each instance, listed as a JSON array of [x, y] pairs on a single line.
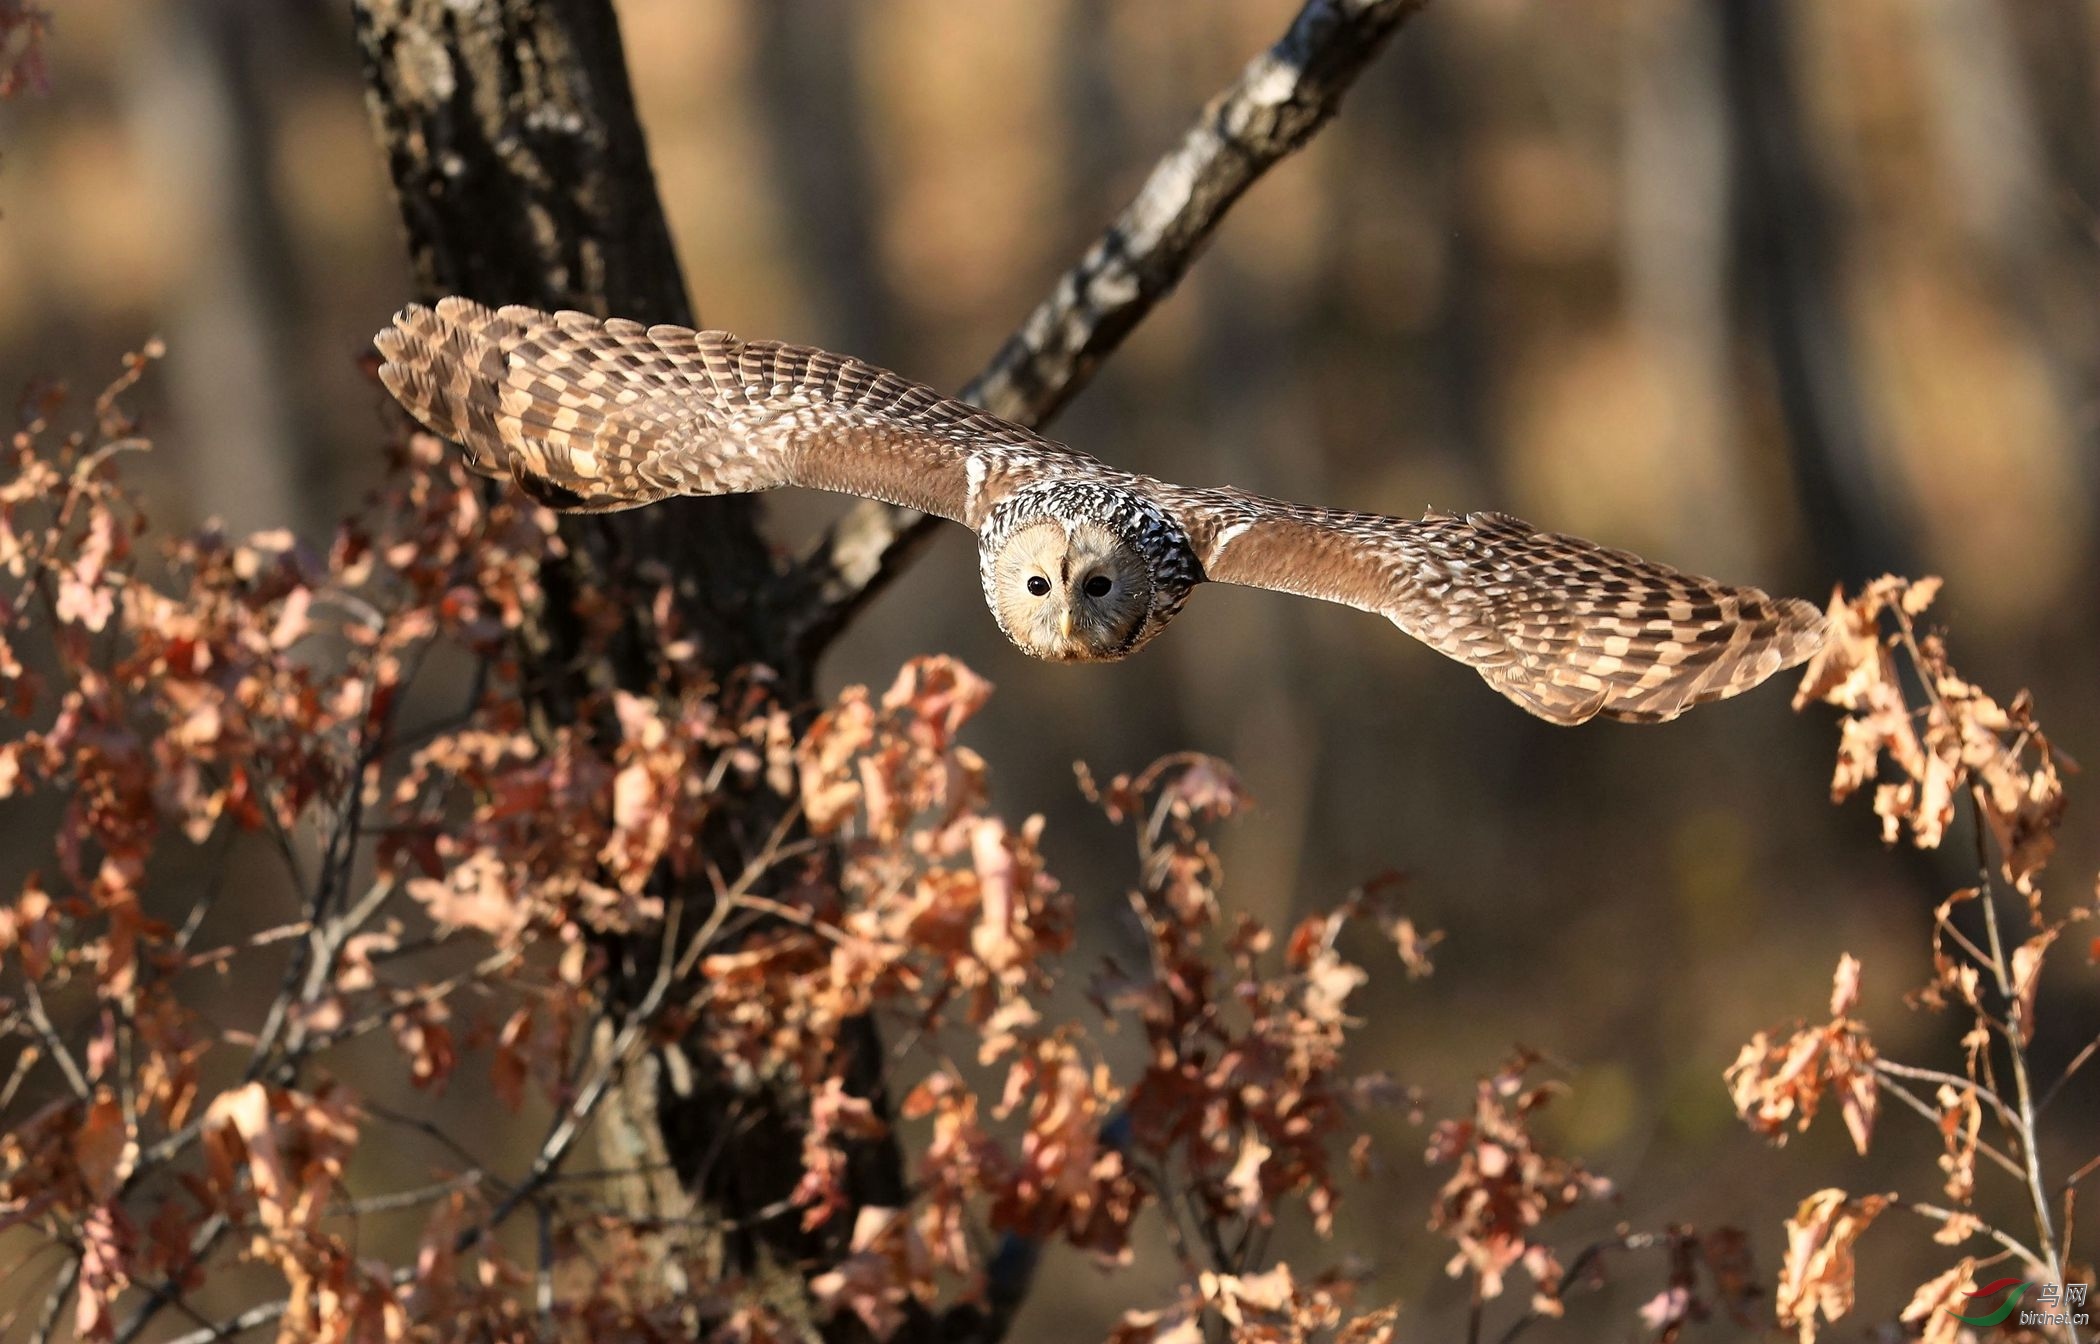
[[1080, 562]]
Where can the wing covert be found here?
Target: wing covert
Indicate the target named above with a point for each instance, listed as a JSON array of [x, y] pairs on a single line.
[[1564, 627], [595, 415]]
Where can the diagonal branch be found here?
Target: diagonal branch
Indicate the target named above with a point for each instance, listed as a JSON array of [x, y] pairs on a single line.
[[1279, 100]]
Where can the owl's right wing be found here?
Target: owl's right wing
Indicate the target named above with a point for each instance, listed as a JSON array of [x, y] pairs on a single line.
[[595, 415], [1564, 627]]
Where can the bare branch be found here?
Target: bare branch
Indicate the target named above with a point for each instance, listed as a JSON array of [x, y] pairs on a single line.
[[55, 1302], [1887, 1067], [2013, 1246], [1931, 1116], [2078, 1062], [169, 1289], [33, 1008], [2015, 1037], [252, 1319], [1584, 1262], [2016, 1028], [1279, 100]]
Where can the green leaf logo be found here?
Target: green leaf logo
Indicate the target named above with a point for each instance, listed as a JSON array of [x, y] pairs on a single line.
[[2005, 1308]]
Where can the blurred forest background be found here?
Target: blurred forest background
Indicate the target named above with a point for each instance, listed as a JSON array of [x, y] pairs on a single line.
[[1790, 293]]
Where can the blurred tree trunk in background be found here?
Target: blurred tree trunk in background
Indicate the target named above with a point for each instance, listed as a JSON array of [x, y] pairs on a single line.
[[1676, 264], [197, 104], [1790, 288], [807, 73], [2021, 163]]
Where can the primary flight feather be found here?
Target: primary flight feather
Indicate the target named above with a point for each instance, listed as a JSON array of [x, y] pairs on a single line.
[[1080, 562]]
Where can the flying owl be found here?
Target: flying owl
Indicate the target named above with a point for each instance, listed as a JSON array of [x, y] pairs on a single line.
[[1080, 562]]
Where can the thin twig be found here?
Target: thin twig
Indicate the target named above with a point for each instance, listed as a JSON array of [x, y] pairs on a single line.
[[1953, 1080], [2078, 1061], [25, 1060], [423, 996], [208, 899], [2071, 1182], [554, 1149], [1932, 1117], [2016, 1049], [797, 916], [409, 1199], [253, 1318], [433, 1132], [55, 1301], [731, 898], [1945, 1216], [1580, 1265], [338, 855], [226, 952], [169, 1289], [2071, 1201], [1962, 940], [545, 1166], [33, 1008]]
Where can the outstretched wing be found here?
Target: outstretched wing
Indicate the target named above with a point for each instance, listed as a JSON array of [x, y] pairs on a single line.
[[595, 415], [1566, 628]]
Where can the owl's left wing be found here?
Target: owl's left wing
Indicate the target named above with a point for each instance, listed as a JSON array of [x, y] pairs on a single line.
[[594, 415], [1564, 627]]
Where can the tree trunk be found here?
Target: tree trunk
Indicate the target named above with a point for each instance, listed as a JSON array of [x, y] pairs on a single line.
[[523, 177], [1787, 284]]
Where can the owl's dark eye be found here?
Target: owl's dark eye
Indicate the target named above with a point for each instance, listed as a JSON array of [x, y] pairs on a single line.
[[1038, 586], [1099, 585]]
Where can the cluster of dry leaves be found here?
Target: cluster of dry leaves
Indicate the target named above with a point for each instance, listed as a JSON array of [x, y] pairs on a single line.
[[193, 1091], [167, 700], [1928, 741], [1503, 1187], [22, 31]]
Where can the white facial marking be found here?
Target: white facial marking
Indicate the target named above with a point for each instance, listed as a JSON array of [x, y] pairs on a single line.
[[973, 473], [1226, 538]]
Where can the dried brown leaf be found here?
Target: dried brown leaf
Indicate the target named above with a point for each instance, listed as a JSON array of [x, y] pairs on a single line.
[[1931, 1308], [1816, 1282]]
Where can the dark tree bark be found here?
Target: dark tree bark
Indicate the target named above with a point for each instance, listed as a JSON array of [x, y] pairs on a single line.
[[521, 169], [523, 177]]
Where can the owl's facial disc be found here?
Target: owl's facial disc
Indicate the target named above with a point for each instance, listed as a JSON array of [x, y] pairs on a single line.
[[1070, 592]]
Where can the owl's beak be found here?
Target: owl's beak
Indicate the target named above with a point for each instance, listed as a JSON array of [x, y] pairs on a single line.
[[1064, 623]]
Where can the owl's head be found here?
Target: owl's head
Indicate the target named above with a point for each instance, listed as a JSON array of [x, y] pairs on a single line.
[[1069, 590]]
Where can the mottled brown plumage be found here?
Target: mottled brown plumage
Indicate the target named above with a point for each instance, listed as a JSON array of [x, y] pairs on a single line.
[[598, 415]]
